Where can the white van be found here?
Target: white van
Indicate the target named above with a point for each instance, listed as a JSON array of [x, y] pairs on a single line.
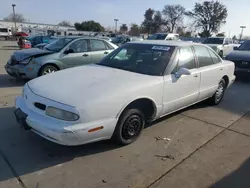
[[5, 32]]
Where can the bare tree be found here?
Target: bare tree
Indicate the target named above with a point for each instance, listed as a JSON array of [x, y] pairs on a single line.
[[173, 15], [17, 18]]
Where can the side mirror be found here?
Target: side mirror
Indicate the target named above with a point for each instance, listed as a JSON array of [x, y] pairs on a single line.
[[236, 48], [69, 51], [182, 71]]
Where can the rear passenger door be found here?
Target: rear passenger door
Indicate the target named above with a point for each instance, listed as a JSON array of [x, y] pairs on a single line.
[[211, 70], [98, 50]]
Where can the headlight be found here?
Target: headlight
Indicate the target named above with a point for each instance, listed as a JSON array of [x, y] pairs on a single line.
[[61, 114], [26, 61]]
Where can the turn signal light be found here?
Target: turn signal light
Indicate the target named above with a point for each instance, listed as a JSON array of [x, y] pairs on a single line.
[[95, 129]]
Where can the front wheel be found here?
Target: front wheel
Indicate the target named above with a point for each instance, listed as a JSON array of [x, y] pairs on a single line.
[[219, 94], [47, 69], [129, 127]]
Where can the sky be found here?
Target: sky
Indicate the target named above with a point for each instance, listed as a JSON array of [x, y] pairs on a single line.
[[127, 11]]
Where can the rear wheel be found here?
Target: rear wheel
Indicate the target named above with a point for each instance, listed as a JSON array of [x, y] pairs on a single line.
[[129, 127], [47, 69], [219, 94]]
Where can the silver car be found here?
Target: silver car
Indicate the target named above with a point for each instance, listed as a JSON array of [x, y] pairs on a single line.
[[60, 54]]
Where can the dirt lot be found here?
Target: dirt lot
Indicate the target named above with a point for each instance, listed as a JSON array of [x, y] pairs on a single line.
[[209, 147]]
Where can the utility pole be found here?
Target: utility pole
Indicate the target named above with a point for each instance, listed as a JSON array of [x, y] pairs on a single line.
[[116, 20], [242, 28], [14, 14]]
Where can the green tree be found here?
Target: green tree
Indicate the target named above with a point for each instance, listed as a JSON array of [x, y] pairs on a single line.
[[17, 18], [173, 15], [152, 21], [209, 16], [123, 28], [89, 26], [134, 30], [220, 35], [64, 23]]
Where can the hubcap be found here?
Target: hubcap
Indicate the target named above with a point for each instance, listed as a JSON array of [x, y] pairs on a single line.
[[132, 127], [48, 71], [219, 92]]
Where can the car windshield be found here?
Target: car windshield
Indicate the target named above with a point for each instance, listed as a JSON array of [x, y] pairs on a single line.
[[140, 58], [58, 44], [245, 46], [214, 41], [157, 36]]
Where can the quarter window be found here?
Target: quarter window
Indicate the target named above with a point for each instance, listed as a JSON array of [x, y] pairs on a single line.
[[186, 58], [203, 56], [214, 56], [97, 45]]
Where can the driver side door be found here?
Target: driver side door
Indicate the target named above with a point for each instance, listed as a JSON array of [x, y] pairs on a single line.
[[180, 92], [81, 54]]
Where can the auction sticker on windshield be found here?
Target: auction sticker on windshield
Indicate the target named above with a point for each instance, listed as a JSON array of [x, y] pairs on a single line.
[[165, 48]]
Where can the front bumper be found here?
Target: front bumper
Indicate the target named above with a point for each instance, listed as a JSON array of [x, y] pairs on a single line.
[[231, 81], [22, 71], [62, 132], [242, 70]]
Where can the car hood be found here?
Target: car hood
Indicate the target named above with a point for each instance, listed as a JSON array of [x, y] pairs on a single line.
[[26, 53], [88, 84], [239, 56]]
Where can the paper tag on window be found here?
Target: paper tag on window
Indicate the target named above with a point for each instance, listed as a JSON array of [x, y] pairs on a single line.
[[165, 48]]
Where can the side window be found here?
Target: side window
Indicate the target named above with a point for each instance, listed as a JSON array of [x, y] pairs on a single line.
[[186, 58], [203, 56], [97, 45], [214, 56], [230, 41], [79, 46], [226, 41]]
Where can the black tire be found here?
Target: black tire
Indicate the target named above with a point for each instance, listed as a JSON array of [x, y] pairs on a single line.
[[46, 68], [219, 94], [221, 54], [127, 132]]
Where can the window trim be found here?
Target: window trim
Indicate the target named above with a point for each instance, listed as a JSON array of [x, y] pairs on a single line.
[[97, 50]]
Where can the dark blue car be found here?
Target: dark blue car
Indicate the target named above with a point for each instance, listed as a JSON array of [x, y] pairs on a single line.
[[241, 57], [38, 39]]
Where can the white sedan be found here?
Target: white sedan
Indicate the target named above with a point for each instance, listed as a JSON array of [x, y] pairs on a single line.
[[135, 84]]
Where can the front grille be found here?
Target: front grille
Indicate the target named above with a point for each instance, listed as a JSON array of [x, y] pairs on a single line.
[[242, 64], [40, 106]]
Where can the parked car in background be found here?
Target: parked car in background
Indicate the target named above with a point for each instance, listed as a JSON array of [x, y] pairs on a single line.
[[42, 45], [164, 36], [222, 45], [241, 57], [38, 39], [60, 54], [135, 84]]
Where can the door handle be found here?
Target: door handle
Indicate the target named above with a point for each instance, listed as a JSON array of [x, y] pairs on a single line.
[[106, 52], [85, 55], [196, 75]]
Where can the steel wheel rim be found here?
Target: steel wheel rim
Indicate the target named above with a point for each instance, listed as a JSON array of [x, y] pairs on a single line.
[[49, 71], [132, 127], [219, 92]]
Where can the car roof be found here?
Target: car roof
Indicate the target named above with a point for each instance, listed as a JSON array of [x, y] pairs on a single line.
[[167, 43]]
